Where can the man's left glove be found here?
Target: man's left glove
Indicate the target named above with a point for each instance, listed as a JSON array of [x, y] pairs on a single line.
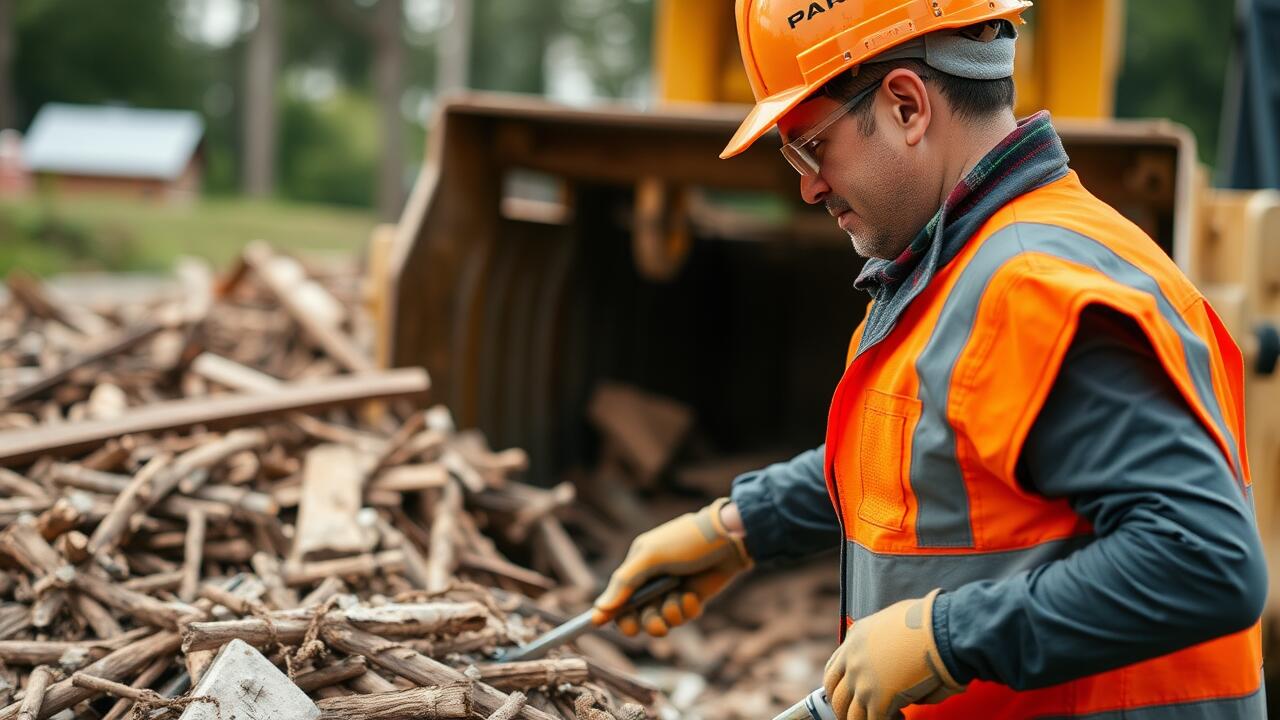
[[889, 661]]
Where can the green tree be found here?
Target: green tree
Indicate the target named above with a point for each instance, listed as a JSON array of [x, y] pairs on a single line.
[[94, 52], [509, 44], [1175, 65]]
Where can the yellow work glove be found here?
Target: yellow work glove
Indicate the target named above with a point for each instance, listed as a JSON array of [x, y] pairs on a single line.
[[695, 547], [889, 661]]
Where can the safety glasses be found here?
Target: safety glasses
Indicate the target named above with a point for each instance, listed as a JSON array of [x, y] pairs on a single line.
[[799, 153]]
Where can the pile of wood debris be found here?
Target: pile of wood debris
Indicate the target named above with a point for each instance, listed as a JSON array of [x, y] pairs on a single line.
[[215, 506], [761, 645]]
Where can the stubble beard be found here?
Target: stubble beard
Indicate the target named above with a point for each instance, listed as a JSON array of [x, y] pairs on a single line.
[[869, 242], [873, 245]]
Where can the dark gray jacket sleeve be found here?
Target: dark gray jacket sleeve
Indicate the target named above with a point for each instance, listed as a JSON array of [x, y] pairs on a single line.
[[786, 509], [1175, 559]]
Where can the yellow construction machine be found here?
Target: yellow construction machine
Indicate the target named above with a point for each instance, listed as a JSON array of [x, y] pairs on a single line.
[[545, 249]]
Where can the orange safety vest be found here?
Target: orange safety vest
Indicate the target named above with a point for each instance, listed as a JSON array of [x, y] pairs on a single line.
[[926, 427]]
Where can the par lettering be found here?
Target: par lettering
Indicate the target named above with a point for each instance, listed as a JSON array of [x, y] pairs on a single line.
[[814, 9]]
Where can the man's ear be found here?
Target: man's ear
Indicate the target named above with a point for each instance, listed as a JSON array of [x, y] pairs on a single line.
[[910, 106]]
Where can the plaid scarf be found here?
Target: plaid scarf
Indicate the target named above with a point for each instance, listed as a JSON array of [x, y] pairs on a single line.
[[1030, 157]]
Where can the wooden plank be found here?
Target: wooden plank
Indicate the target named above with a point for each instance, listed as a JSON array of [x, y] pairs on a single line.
[[647, 428], [293, 294], [332, 487], [22, 446]]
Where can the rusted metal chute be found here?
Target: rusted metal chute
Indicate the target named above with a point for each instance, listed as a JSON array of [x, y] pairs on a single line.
[[547, 248]]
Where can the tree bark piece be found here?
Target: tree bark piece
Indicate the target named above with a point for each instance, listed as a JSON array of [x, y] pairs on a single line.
[[414, 666], [622, 683], [268, 570], [415, 566], [140, 607], [410, 620], [136, 498], [34, 699], [21, 446], [64, 515], [98, 617], [122, 663], [534, 673], [423, 703], [43, 652], [371, 682], [208, 500], [193, 556], [327, 588], [272, 270], [358, 566], [511, 708], [145, 680], [506, 569], [15, 484], [112, 346], [341, 671], [110, 687], [332, 487], [565, 557], [442, 555], [410, 478]]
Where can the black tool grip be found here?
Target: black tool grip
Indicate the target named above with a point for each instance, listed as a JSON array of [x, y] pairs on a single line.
[[652, 590]]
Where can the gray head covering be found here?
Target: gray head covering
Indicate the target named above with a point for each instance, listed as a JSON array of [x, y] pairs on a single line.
[[983, 52]]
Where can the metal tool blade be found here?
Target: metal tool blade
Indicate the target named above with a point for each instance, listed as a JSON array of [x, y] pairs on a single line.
[[580, 624]]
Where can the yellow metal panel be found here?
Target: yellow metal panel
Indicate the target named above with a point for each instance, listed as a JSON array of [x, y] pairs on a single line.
[[688, 49], [696, 53], [1070, 56]]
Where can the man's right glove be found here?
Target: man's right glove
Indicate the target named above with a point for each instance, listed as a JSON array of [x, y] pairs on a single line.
[[695, 547]]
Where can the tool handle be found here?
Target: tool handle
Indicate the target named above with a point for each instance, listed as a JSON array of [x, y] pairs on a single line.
[[651, 591], [814, 706], [581, 624]]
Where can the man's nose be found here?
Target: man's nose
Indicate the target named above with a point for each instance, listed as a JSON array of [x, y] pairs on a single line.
[[813, 188]]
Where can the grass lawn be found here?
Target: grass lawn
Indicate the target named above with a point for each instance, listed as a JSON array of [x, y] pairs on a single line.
[[47, 235]]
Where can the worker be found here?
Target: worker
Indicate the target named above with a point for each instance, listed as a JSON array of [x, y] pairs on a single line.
[[1034, 465]]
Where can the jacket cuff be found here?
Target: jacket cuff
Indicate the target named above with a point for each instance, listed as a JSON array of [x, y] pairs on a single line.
[[942, 638], [765, 539]]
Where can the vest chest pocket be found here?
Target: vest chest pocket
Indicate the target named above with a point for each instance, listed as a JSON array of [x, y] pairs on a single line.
[[883, 455]]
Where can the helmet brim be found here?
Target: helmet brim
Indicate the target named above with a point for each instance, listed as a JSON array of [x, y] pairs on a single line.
[[762, 118]]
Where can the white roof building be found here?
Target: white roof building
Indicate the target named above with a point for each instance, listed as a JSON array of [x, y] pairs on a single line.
[[110, 141]]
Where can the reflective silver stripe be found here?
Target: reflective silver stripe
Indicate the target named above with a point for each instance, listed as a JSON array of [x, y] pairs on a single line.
[[877, 580], [1073, 246], [1249, 707], [942, 514]]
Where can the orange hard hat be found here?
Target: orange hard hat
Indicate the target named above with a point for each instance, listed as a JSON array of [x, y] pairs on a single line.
[[791, 48]]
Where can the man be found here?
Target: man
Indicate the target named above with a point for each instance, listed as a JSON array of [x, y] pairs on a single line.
[[1035, 457]]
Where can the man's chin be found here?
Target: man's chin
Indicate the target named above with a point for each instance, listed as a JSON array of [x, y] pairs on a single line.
[[864, 249]]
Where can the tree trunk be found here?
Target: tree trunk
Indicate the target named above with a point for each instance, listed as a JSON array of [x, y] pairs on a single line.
[[262, 68], [453, 58], [8, 115], [388, 81]]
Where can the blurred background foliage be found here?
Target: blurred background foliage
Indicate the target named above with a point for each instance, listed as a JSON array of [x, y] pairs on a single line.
[[159, 53], [152, 53], [331, 106]]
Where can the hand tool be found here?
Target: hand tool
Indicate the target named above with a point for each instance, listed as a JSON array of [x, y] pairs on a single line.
[[815, 706], [580, 624]]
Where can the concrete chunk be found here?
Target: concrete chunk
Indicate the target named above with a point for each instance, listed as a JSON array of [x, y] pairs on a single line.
[[248, 687]]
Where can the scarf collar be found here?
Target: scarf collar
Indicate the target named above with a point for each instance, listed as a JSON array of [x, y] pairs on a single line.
[[1030, 157]]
